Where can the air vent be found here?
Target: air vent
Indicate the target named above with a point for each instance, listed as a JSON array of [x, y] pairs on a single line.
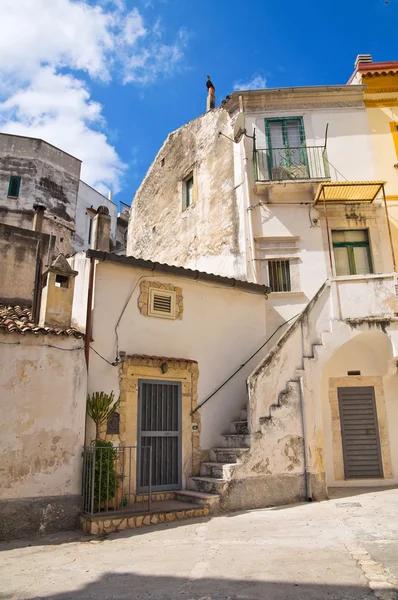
[[162, 304]]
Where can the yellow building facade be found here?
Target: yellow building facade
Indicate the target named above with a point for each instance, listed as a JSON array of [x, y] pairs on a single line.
[[381, 100]]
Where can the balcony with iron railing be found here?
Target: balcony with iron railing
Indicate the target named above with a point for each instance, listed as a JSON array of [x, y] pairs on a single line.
[[301, 163]]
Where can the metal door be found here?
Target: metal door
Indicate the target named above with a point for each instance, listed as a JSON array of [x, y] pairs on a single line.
[[159, 427], [360, 433]]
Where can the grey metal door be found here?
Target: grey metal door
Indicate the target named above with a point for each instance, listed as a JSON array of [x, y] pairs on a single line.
[[159, 427], [360, 433]]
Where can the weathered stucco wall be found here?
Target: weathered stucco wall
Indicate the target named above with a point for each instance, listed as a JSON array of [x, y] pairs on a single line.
[[49, 177], [43, 394], [18, 250], [206, 235], [220, 329]]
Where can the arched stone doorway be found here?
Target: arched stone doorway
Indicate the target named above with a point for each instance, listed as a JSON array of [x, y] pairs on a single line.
[[359, 408]]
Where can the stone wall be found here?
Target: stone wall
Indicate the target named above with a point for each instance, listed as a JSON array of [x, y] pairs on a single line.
[[204, 236], [43, 394], [18, 248]]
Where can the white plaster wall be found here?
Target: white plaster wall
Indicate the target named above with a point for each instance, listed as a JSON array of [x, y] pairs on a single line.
[[349, 146], [43, 396], [88, 197], [369, 353], [361, 296], [220, 329]]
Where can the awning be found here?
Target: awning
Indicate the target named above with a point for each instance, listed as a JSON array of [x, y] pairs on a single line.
[[345, 192]]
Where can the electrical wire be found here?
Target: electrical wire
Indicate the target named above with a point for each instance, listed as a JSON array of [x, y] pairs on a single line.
[[103, 358], [122, 313]]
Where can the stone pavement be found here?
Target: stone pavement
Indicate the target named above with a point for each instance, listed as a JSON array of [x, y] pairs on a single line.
[[345, 548]]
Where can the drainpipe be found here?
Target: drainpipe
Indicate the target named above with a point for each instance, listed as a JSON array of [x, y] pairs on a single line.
[[308, 491], [89, 311], [37, 285]]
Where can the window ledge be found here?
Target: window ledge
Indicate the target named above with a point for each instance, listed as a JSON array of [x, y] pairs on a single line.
[[285, 294], [363, 277]]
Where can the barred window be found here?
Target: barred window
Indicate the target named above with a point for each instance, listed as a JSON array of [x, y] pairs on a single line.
[[279, 276]]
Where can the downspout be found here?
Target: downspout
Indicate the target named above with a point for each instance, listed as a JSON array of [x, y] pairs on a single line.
[[37, 285], [389, 228], [87, 339], [89, 311], [307, 475]]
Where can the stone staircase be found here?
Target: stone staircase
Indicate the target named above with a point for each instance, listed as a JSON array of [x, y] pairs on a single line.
[[208, 487]]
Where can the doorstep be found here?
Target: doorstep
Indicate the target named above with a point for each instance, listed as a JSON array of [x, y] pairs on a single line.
[[164, 511]]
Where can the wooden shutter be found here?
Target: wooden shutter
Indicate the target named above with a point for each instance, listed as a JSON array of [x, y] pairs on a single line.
[[360, 433]]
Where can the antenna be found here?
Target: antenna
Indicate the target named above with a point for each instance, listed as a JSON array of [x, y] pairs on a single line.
[[240, 128]]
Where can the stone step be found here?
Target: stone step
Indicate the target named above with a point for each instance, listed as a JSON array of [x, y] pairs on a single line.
[[202, 498], [240, 427], [207, 485], [227, 455], [217, 470], [236, 440], [161, 512]]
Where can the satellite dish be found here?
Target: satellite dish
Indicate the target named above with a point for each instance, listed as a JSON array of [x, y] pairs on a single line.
[[240, 128]]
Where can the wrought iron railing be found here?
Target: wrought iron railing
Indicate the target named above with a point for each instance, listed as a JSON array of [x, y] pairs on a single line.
[[111, 476], [301, 162]]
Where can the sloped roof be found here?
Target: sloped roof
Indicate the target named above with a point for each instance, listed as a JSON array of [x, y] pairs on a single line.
[[18, 319]]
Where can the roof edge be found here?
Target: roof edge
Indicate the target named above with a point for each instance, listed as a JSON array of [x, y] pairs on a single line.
[[29, 137], [178, 271]]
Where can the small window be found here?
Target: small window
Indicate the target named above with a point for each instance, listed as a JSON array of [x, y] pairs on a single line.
[[13, 186], [61, 281], [279, 275], [161, 303], [352, 252], [187, 190]]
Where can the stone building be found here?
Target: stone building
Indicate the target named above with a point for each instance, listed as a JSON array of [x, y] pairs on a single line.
[[41, 189], [291, 200]]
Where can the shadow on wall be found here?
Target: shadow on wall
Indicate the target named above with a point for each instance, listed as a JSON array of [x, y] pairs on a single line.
[[132, 586]]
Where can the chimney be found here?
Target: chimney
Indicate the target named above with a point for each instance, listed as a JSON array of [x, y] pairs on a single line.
[[57, 294], [363, 58], [110, 195], [37, 224], [101, 230]]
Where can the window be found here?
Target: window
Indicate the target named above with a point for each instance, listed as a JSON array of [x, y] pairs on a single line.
[[13, 186], [61, 281], [187, 192], [279, 276], [162, 303], [287, 155], [352, 252]]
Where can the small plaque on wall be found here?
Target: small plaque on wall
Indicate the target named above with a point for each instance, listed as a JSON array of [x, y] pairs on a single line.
[[113, 424]]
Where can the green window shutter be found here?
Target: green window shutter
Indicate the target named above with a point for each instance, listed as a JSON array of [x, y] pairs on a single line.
[[13, 186], [352, 252]]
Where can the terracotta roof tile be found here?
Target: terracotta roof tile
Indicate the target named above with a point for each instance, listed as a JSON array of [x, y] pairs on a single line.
[[18, 319]]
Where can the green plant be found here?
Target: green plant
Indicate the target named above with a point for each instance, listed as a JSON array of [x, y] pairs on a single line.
[[101, 474], [100, 406]]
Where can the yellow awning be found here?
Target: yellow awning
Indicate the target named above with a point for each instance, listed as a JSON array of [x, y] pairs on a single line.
[[344, 192]]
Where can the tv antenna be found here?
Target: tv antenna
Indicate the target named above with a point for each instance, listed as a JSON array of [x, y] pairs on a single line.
[[239, 130]]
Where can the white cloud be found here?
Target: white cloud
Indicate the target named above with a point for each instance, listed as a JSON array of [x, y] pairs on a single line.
[[257, 82], [60, 45]]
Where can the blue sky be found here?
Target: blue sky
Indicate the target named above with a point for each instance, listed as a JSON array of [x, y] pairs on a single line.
[[107, 80]]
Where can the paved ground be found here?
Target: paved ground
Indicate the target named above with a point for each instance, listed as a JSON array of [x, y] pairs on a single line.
[[346, 548]]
